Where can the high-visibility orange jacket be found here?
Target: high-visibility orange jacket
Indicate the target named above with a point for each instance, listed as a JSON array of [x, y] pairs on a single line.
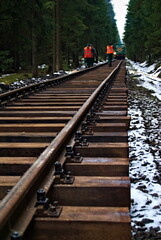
[[110, 49], [88, 52]]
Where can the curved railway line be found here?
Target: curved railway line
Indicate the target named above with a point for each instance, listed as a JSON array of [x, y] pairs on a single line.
[[64, 158]]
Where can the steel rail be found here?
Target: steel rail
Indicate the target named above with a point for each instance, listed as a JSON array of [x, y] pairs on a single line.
[[14, 198]]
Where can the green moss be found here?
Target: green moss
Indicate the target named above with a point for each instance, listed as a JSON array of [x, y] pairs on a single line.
[[15, 77], [8, 79]]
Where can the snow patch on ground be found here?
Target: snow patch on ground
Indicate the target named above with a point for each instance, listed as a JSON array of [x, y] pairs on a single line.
[[147, 77], [145, 190], [144, 147]]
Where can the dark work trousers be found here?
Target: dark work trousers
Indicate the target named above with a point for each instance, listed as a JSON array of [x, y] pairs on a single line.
[[88, 62], [109, 57]]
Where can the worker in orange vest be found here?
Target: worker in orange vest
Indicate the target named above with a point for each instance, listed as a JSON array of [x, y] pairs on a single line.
[[88, 56], [109, 53]]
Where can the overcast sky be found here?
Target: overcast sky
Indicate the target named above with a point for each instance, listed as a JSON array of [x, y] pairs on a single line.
[[120, 9]]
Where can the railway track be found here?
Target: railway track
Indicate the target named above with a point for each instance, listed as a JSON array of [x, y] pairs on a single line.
[[64, 158]]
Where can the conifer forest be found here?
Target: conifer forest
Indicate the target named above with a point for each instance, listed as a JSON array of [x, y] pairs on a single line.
[[54, 32], [143, 31]]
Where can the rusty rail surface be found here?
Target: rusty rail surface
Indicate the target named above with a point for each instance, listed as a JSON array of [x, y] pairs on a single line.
[[48, 179]]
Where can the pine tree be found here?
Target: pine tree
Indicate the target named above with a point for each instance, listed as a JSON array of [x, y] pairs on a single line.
[[142, 30], [34, 33]]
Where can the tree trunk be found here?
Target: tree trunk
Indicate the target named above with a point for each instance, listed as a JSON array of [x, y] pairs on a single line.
[[57, 35], [34, 47], [16, 58], [54, 36], [75, 60]]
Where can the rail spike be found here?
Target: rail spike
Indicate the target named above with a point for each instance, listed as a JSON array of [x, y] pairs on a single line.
[[42, 200], [90, 121], [71, 156], [79, 141], [44, 208], [61, 177], [85, 129]]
